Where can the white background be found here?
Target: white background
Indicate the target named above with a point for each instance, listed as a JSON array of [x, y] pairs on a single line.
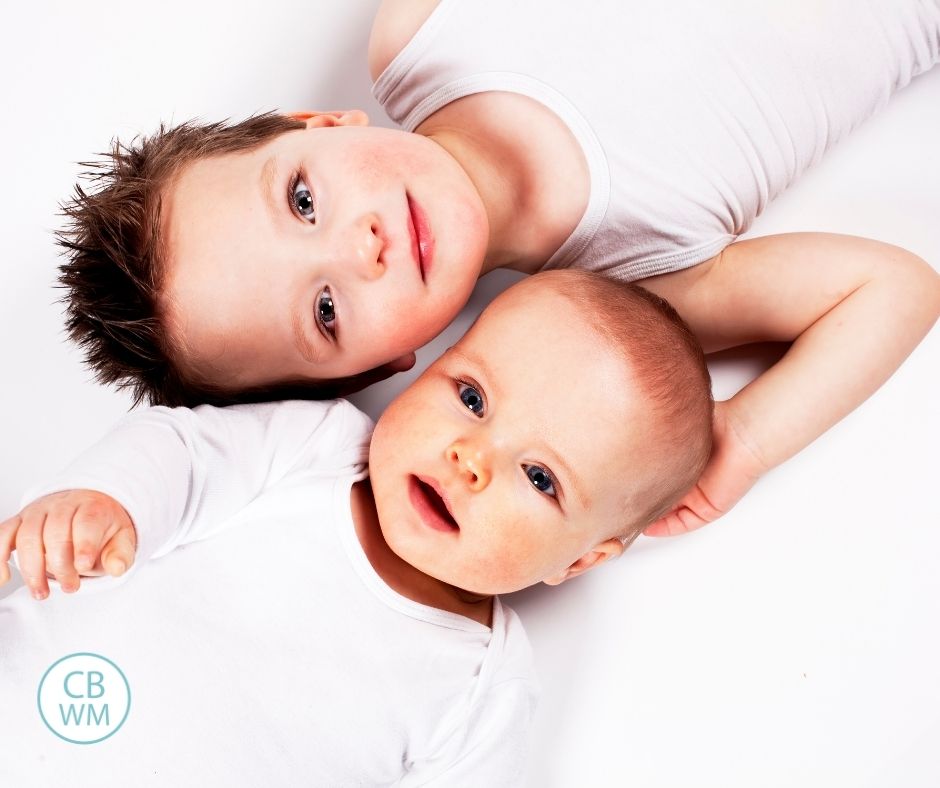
[[795, 642]]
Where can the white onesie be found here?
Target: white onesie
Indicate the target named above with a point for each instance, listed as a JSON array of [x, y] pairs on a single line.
[[272, 653], [692, 115]]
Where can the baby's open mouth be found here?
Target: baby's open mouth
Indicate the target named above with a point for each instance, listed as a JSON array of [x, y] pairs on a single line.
[[431, 506]]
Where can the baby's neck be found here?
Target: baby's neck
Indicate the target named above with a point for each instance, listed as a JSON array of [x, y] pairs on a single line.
[[401, 576], [527, 167]]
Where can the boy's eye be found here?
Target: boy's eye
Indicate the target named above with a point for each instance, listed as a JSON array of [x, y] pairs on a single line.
[[471, 397], [326, 313], [302, 200], [541, 478]]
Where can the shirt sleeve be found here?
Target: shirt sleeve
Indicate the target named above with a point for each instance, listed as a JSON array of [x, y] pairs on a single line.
[[181, 474]]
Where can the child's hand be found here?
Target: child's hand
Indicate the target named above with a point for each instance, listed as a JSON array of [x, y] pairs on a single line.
[[731, 471], [66, 534]]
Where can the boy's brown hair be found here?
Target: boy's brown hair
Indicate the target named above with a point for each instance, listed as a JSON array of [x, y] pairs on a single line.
[[115, 261]]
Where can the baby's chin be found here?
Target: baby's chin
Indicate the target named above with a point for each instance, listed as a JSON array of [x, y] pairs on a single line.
[[467, 578], [426, 559]]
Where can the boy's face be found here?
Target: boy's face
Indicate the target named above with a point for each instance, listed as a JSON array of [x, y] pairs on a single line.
[[325, 252], [532, 432]]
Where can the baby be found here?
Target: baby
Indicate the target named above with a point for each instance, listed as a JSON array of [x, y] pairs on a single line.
[[310, 254], [345, 629]]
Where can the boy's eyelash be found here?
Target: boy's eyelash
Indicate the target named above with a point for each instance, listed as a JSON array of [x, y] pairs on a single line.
[[291, 185], [297, 177]]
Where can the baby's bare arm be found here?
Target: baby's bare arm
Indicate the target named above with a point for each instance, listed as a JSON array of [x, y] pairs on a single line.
[[853, 308], [67, 535]]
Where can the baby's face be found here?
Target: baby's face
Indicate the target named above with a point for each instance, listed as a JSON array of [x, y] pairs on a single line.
[[323, 253], [515, 453]]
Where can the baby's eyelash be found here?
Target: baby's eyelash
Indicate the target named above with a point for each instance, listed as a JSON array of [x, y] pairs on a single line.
[[552, 479], [470, 383]]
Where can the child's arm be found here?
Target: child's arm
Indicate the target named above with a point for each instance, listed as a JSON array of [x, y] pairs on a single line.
[[854, 309], [66, 533], [181, 474]]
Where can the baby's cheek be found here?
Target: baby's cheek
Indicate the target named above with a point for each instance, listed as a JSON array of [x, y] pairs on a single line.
[[509, 563]]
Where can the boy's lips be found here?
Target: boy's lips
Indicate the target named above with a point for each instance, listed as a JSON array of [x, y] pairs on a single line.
[[422, 241], [427, 497]]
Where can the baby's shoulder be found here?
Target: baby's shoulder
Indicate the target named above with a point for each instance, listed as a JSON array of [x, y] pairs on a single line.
[[394, 26]]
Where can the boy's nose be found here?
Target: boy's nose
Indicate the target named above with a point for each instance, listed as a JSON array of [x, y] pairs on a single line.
[[367, 242], [472, 464]]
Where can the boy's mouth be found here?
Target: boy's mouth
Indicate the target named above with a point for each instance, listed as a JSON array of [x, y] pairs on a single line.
[[428, 501], [422, 242]]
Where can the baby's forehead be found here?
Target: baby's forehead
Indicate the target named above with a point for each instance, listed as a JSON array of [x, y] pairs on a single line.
[[536, 319], [538, 343], [534, 345]]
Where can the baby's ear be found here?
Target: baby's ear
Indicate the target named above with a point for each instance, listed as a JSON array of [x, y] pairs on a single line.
[[612, 548], [343, 117]]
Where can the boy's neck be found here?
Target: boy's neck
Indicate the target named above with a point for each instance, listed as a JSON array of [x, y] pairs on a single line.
[[527, 167], [402, 576]]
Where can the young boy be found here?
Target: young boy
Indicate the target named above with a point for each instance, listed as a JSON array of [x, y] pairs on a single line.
[[312, 252], [344, 630]]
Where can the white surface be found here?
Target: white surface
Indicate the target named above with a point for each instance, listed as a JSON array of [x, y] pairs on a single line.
[[795, 642]]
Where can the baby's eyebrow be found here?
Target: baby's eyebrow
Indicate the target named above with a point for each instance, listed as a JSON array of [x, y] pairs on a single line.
[[491, 381], [576, 484]]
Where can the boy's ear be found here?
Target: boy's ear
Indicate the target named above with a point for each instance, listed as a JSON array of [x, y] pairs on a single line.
[[346, 117], [612, 548], [365, 379]]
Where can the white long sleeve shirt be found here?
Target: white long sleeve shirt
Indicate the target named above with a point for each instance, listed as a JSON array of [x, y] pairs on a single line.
[[272, 653]]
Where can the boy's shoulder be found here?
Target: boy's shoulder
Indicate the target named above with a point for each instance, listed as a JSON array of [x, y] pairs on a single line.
[[394, 26]]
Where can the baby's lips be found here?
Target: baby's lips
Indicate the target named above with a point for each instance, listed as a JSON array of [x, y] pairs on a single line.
[[441, 493]]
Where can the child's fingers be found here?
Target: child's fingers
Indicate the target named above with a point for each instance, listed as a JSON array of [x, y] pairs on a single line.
[[678, 522], [57, 540], [8, 529], [91, 527], [29, 548], [118, 553]]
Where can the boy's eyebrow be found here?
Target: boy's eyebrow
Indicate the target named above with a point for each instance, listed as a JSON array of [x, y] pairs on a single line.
[[307, 349], [268, 178]]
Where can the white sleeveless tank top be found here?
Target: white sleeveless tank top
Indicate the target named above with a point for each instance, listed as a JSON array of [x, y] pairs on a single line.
[[692, 115]]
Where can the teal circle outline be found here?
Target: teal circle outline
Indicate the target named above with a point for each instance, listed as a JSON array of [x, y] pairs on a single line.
[[82, 654]]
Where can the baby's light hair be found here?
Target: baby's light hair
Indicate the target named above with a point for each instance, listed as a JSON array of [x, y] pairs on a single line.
[[668, 363]]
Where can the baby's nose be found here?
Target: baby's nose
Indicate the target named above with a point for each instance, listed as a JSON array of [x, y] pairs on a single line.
[[472, 464]]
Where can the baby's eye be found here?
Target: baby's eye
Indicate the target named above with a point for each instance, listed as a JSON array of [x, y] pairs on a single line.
[[326, 313], [541, 478], [302, 200], [471, 397]]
